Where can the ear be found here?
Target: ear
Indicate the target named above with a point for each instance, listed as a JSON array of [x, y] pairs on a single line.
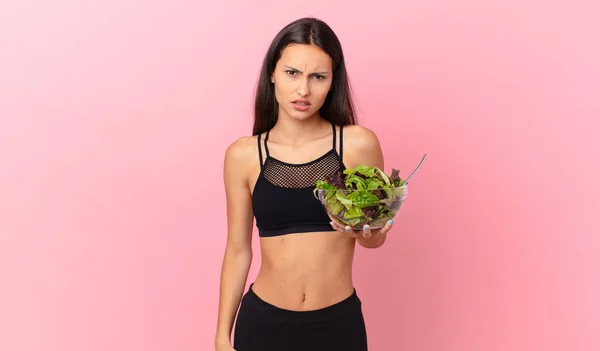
[[272, 79]]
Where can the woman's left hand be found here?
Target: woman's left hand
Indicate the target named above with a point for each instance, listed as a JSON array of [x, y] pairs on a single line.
[[366, 232]]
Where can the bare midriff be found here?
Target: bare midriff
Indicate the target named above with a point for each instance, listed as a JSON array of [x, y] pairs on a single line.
[[305, 271]]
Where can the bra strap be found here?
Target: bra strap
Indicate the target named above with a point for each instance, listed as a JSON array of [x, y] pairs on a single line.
[[260, 157], [260, 154]]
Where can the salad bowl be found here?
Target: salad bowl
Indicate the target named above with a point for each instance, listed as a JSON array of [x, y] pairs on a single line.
[[360, 207]]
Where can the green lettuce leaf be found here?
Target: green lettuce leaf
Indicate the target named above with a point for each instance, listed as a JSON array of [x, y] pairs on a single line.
[[355, 196]]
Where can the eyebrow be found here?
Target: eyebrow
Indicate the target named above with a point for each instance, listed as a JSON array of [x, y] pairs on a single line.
[[295, 69]]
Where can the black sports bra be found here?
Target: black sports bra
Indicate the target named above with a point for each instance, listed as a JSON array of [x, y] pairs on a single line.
[[283, 201]]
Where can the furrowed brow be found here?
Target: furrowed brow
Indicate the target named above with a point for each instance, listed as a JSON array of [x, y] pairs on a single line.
[[295, 69]]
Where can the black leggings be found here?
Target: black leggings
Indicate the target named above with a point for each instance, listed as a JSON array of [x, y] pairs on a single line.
[[261, 326]]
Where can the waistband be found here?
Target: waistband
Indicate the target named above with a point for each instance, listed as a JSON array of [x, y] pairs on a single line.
[[342, 307]]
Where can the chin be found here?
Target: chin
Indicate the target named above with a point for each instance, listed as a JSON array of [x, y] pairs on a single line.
[[301, 116]]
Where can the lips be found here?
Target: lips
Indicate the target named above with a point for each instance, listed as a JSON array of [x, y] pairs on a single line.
[[301, 102], [301, 105]]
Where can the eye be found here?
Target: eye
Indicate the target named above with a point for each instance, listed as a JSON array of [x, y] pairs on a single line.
[[290, 72], [319, 77]]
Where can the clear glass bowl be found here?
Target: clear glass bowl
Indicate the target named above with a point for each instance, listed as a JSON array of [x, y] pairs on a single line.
[[357, 208]]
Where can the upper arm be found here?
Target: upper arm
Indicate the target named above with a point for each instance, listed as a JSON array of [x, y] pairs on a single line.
[[362, 146], [237, 192]]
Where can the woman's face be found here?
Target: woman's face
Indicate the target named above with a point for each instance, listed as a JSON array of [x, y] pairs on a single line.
[[302, 78]]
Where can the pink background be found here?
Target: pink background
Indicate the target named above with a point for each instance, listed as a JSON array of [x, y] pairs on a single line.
[[113, 124]]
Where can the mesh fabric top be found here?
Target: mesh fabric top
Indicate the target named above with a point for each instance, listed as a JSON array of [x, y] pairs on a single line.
[[283, 200]]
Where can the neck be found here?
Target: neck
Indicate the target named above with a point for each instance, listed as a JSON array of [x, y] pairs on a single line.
[[296, 132]]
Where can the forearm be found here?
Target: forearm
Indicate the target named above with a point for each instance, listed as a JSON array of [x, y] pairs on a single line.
[[234, 273]]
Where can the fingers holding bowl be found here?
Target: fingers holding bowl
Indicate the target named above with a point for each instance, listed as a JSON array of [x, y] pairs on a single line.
[[367, 229], [366, 233], [388, 225], [343, 228]]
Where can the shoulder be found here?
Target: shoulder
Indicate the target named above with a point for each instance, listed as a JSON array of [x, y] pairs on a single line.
[[241, 148], [357, 136], [361, 146], [240, 154]]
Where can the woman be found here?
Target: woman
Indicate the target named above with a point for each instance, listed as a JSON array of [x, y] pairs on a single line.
[[305, 129]]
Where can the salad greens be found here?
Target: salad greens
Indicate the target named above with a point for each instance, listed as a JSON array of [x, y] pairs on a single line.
[[362, 195]]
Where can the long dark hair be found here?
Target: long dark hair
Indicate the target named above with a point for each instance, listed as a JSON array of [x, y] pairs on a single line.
[[338, 107]]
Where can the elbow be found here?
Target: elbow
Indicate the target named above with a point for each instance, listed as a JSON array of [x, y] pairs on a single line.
[[239, 252]]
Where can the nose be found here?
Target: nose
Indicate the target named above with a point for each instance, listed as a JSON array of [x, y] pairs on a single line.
[[304, 87]]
